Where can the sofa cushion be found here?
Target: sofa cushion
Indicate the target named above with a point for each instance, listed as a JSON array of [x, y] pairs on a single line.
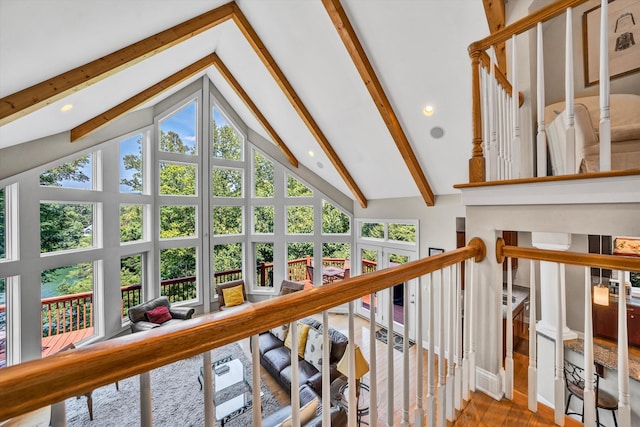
[[305, 371], [278, 358], [233, 296], [281, 332], [268, 342], [302, 331], [314, 348], [307, 413], [158, 315]]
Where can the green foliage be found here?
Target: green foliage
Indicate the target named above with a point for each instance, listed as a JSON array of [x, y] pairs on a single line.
[[131, 270], [227, 220], [263, 219], [336, 250], [134, 162], [300, 219], [178, 262], [297, 189], [373, 230], [227, 182], [635, 279], [263, 175], [227, 144], [172, 143], [62, 226], [298, 250], [177, 179], [130, 223], [334, 221], [70, 171], [73, 279], [227, 257], [402, 232], [177, 221]]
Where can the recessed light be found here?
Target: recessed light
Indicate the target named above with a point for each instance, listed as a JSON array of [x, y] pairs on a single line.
[[66, 108], [427, 110], [437, 132], [311, 153]]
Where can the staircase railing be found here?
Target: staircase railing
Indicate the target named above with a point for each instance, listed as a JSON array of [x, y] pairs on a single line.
[[497, 144], [38, 383], [562, 259]]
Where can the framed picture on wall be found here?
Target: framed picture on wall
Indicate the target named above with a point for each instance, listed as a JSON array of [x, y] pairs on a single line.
[[435, 251], [624, 40]]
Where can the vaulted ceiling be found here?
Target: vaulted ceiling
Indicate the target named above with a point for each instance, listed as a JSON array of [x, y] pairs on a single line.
[[347, 80]]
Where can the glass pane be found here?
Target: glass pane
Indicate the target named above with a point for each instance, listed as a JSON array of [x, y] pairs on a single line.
[[369, 261], [74, 174], [67, 305], [131, 177], [227, 142], [300, 261], [263, 176], [334, 221], [3, 322], [263, 219], [3, 234], [227, 220], [227, 182], [130, 282], [178, 274], [372, 230], [178, 179], [402, 232], [299, 219], [336, 264], [130, 223], [178, 131], [65, 226], [227, 262], [264, 261], [177, 221], [297, 189]]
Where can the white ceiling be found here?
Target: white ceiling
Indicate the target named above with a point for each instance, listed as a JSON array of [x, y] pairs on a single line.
[[418, 49]]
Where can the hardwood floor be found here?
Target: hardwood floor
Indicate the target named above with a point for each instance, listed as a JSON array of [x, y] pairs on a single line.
[[481, 410]]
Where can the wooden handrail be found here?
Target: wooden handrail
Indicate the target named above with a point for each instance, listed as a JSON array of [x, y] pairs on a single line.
[[485, 62], [524, 24], [614, 262], [37, 383]]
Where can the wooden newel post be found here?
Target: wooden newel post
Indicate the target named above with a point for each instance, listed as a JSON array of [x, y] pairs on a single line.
[[477, 161]]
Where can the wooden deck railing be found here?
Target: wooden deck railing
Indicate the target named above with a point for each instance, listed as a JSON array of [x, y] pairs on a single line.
[[42, 382], [562, 258]]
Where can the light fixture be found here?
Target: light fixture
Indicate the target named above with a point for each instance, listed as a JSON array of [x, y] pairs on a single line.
[[601, 294], [362, 367], [311, 153], [66, 108], [427, 110]]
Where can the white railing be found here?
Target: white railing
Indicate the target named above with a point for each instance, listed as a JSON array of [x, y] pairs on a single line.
[[537, 259]]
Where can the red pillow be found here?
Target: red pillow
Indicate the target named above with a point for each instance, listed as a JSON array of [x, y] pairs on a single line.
[[159, 314]]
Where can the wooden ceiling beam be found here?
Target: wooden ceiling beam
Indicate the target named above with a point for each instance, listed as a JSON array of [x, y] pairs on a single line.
[[37, 96], [119, 110], [235, 85], [371, 81], [494, 11], [277, 74]]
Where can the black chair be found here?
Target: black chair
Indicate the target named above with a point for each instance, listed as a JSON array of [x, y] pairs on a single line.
[[574, 379]]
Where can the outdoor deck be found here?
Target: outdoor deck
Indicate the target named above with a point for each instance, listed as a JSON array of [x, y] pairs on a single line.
[[54, 343]]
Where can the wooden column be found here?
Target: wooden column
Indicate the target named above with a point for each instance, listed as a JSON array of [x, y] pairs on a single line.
[[477, 162]]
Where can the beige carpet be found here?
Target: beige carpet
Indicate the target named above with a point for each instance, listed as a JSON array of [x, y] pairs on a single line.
[[177, 399]]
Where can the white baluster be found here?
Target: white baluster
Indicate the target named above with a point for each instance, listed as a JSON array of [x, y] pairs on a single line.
[[351, 348], [472, 329], [624, 408], [605, 124], [589, 393], [207, 387], [326, 372], [559, 377], [458, 369], [146, 411], [508, 362], [373, 377], [405, 356], [431, 367], [570, 154], [451, 311], [256, 411], [493, 112], [390, 391], [467, 332], [516, 112], [486, 123], [419, 412], [541, 137], [442, 387], [533, 338], [295, 381]]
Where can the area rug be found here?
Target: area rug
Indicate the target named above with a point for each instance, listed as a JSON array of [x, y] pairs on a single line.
[[176, 397], [398, 340]]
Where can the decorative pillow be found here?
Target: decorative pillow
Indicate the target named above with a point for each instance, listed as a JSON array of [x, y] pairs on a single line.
[[307, 413], [233, 296], [281, 332], [313, 348], [159, 314], [303, 331]]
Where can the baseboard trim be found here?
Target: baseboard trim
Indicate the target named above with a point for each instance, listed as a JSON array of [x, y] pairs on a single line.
[[489, 383]]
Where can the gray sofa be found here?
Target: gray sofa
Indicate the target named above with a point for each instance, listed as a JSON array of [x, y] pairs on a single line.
[[139, 321], [275, 357]]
